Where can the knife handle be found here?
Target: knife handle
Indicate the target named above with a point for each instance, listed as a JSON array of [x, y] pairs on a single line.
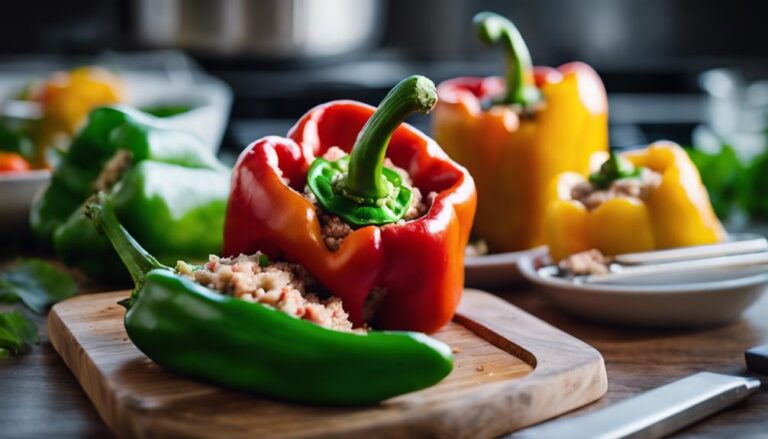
[[757, 359], [655, 413]]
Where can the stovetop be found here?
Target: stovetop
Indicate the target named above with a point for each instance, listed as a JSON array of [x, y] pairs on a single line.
[[645, 105]]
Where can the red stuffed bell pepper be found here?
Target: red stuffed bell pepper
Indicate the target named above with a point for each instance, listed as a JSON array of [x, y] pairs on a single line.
[[389, 272]]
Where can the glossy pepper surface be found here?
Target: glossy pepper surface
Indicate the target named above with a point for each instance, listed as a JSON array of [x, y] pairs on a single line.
[[515, 139], [675, 213], [419, 263], [170, 192], [190, 329]]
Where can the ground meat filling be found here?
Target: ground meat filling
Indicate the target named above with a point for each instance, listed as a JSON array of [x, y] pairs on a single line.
[[585, 263], [334, 229], [283, 286], [640, 188], [113, 169]]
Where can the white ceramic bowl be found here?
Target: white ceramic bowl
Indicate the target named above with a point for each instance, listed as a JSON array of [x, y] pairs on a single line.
[[17, 190], [674, 305]]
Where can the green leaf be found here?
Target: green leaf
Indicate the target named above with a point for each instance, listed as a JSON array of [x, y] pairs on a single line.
[[16, 333], [722, 174], [36, 283]]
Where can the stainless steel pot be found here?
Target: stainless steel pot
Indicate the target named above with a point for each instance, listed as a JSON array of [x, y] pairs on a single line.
[[262, 28]]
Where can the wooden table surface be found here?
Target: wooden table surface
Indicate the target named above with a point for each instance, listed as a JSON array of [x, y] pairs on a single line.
[[39, 396]]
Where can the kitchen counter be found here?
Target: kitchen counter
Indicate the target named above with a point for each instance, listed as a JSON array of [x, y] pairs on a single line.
[[39, 396]]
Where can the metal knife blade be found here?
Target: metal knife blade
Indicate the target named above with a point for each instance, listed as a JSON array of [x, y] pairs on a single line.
[[654, 413]]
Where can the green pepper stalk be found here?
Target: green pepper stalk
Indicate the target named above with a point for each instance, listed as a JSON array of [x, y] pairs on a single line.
[[494, 29], [615, 168], [137, 260], [359, 188], [192, 330]]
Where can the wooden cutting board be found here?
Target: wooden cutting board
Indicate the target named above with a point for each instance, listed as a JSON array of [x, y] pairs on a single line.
[[511, 370]]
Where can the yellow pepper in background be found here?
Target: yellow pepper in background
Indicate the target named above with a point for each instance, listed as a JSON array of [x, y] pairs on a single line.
[[675, 213], [515, 134], [67, 98]]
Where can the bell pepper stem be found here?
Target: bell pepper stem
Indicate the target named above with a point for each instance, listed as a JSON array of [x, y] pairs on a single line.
[[364, 179], [137, 260], [494, 29], [615, 168]]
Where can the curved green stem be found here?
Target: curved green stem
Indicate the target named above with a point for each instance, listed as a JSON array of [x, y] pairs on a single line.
[[364, 179], [494, 29], [137, 260], [615, 168]]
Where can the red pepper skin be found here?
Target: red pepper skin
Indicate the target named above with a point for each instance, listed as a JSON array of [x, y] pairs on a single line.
[[419, 263]]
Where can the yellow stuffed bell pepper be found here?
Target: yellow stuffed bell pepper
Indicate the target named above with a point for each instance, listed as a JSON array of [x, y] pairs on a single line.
[[640, 200], [515, 134], [67, 98]]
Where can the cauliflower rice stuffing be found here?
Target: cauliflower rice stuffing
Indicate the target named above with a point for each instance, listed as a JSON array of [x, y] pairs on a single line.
[[283, 286], [334, 229], [640, 188]]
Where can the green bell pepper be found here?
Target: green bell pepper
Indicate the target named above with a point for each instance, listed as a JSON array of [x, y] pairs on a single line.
[[172, 195], [192, 330]]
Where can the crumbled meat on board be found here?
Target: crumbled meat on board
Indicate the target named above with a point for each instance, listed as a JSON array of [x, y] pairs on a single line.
[[334, 229], [113, 169], [640, 188], [585, 263], [283, 286], [476, 248]]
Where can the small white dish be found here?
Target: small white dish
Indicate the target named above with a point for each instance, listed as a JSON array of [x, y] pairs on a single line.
[[17, 190], [497, 269], [697, 303]]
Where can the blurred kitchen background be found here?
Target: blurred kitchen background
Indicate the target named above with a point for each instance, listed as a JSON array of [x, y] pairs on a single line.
[[280, 57]]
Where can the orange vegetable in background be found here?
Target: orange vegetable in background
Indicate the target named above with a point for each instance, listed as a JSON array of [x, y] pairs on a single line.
[[12, 162]]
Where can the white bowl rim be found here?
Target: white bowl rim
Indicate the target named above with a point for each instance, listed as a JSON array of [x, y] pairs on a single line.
[[527, 263]]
